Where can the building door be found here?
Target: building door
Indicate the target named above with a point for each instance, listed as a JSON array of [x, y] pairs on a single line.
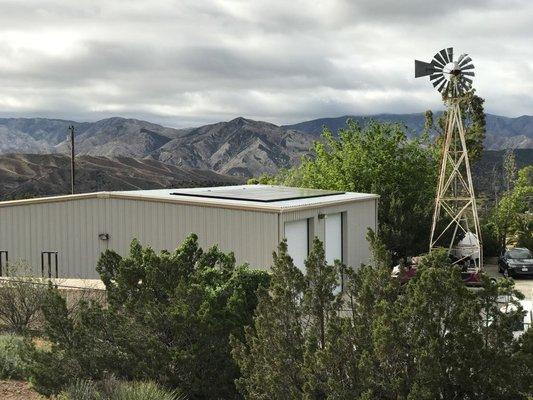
[[297, 235], [333, 239]]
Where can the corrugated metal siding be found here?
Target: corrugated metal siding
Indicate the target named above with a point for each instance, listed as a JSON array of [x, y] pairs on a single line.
[[360, 215], [72, 229]]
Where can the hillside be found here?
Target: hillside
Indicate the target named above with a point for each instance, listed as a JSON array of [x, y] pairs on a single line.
[[502, 132], [30, 175]]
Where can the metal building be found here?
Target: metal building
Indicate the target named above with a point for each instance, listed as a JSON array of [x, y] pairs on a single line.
[[67, 234]]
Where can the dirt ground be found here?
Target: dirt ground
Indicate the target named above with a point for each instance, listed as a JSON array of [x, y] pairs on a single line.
[[16, 390]]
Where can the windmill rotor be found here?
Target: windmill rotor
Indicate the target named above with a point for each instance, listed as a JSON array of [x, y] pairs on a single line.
[[451, 78]]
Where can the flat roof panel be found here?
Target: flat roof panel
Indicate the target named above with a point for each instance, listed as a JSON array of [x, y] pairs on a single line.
[[263, 194]]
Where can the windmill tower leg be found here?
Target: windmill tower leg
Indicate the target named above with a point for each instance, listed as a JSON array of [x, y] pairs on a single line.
[[455, 213]]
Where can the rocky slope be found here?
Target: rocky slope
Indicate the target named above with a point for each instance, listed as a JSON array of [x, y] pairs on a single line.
[[239, 147], [30, 175]]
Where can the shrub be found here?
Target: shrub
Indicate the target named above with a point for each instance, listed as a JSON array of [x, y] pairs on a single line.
[[169, 319], [111, 389], [143, 391], [12, 365], [21, 297], [81, 390]]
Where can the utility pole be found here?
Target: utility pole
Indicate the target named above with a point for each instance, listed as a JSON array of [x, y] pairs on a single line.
[[72, 129]]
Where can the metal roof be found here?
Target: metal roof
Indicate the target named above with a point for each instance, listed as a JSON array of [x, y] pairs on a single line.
[[248, 197]]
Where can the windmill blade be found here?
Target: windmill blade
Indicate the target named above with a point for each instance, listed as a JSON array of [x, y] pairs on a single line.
[[438, 81], [443, 85], [438, 58], [461, 57], [444, 55], [435, 76], [423, 68], [436, 66], [465, 61], [449, 50], [465, 79], [471, 66], [469, 73]]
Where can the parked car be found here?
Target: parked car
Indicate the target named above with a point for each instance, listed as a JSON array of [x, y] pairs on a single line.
[[516, 262]]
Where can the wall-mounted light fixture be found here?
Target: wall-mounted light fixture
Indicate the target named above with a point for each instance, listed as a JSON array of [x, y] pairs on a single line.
[[321, 216], [104, 236]]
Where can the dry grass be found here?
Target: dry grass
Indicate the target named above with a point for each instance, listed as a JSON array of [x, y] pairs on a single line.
[[18, 390]]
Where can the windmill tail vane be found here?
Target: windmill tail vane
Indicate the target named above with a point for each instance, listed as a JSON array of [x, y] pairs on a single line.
[[455, 220]]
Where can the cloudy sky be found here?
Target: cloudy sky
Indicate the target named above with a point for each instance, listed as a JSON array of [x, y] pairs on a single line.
[[185, 63]]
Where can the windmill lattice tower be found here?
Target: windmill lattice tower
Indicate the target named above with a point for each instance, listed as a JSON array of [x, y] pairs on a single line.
[[455, 219]]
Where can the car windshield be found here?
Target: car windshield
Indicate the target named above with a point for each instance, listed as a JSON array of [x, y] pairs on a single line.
[[520, 254]]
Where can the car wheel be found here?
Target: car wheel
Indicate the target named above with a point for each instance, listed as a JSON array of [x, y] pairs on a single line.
[[500, 269], [506, 272]]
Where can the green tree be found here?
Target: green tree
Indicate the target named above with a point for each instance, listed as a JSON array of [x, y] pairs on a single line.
[[512, 216], [431, 338], [378, 158], [169, 319], [278, 356]]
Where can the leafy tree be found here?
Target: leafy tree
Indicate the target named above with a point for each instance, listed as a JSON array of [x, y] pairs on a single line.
[[169, 319], [378, 158], [474, 120], [512, 216]]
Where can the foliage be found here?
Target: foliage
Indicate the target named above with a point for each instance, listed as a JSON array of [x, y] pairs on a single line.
[[111, 389], [12, 365], [491, 242], [474, 120], [21, 297], [512, 216], [169, 319], [377, 159], [277, 356], [432, 338]]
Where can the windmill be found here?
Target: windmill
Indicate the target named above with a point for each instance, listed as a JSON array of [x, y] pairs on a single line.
[[455, 219]]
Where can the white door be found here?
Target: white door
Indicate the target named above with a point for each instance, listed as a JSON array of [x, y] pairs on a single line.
[[333, 239], [296, 234]]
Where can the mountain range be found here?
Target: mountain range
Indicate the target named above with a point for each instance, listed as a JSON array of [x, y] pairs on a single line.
[[502, 132], [240, 147]]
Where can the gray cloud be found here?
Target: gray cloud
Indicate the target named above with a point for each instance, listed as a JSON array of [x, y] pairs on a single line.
[[189, 62]]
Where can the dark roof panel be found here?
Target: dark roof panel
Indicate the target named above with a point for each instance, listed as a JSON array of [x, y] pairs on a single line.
[[264, 194]]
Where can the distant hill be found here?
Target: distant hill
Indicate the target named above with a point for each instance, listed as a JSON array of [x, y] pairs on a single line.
[[31, 175], [502, 132]]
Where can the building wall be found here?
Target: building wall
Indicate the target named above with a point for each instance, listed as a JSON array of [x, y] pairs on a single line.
[[72, 228], [358, 217]]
